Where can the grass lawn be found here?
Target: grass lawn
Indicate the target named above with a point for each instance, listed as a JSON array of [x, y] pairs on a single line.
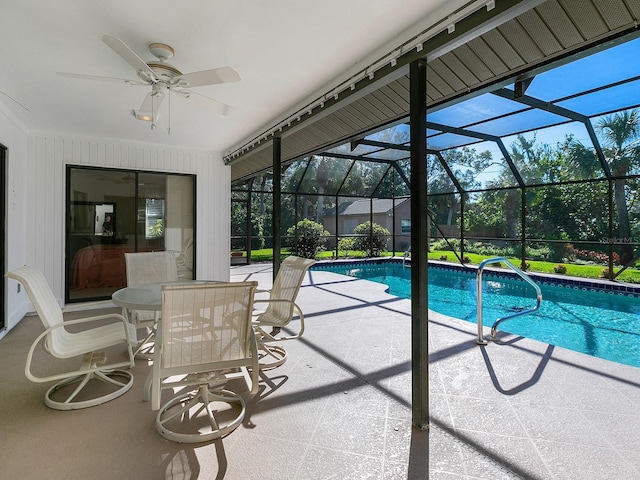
[[631, 275]]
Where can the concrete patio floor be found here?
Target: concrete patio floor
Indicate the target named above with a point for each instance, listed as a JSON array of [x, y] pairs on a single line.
[[340, 407], [518, 409]]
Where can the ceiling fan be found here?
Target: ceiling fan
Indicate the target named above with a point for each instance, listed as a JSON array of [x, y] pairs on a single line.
[[163, 78]]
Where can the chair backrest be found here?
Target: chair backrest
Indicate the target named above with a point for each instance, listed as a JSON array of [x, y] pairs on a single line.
[[186, 254], [150, 267], [45, 303], [205, 327], [287, 285]]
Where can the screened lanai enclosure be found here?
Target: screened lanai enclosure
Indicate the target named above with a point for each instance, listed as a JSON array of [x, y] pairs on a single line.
[[544, 168]]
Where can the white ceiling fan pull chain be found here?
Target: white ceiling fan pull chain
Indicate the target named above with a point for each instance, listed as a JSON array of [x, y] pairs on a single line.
[[153, 116]]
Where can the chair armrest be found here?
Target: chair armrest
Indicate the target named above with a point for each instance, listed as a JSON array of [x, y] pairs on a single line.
[[47, 331], [94, 318], [83, 305], [272, 300]]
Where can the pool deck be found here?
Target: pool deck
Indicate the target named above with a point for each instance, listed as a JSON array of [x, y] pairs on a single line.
[[340, 407], [514, 409]]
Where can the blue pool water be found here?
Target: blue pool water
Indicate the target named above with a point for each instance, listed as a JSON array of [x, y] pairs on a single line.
[[581, 318]]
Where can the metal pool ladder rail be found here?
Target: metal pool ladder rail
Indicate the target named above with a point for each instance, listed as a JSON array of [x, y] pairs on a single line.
[[404, 258], [524, 276]]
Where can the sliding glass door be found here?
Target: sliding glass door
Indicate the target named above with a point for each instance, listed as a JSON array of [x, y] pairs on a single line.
[[112, 212]]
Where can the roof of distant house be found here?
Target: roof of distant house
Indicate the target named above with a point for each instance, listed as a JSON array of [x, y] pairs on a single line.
[[362, 206]]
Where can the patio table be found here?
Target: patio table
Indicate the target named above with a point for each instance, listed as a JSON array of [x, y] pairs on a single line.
[[147, 296]]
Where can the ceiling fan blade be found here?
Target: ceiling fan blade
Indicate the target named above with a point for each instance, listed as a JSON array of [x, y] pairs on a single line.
[[209, 77], [96, 77], [221, 108], [130, 56], [148, 110]]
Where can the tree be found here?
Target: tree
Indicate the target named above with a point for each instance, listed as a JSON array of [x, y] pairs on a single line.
[[465, 163], [619, 135], [322, 178]]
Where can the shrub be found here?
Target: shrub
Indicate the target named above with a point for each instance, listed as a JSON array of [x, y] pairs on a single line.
[[308, 239], [604, 273], [372, 239], [345, 245], [539, 252], [454, 243], [594, 257], [561, 269]]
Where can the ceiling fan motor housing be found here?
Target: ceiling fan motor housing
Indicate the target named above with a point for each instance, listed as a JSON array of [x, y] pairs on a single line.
[[161, 51]]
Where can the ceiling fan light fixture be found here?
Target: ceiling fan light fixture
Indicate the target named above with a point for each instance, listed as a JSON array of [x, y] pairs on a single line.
[[145, 117]]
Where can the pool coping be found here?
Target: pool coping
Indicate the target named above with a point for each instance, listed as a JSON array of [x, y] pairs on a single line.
[[577, 283]]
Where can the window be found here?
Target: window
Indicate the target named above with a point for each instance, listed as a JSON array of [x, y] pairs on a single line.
[[154, 218], [405, 225], [113, 212]]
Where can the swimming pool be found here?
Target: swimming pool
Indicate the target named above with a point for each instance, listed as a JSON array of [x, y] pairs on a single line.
[[573, 314]]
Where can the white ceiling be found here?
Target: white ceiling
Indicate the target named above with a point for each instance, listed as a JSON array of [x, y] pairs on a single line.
[[287, 52]]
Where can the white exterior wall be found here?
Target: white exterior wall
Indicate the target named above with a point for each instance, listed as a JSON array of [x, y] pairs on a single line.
[[13, 136], [36, 218]]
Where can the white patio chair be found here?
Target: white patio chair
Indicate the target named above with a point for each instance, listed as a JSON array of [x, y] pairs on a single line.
[[61, 343], [280, 310], [184, 259], [143, 268], [204, 340]]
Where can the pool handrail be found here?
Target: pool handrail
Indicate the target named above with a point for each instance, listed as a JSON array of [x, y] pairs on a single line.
[[406, 254], [523, 275]]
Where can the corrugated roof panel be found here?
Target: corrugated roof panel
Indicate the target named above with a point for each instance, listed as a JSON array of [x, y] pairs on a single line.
[[435, 81], [359, 122], [335, 127], [521, 42], [614, 13], [473, 63], [503, 48], [317, 134], [459, 69], [442, 69], [539, 32], [251, 163], [369, 114], [347, 117], [634, 7], [398, 104], [488, 56], [377, 109], [384, 103], [556, 18], [586, 17]]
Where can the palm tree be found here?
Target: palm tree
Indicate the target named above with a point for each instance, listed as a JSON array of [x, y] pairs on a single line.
[[620, 140]]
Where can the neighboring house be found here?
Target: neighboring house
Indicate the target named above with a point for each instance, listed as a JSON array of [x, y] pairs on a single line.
[[378, 210]]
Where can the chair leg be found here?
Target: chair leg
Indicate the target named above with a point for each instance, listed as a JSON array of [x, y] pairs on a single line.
[[182, 415], [106, 377], [270, 356], [144, 350]]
